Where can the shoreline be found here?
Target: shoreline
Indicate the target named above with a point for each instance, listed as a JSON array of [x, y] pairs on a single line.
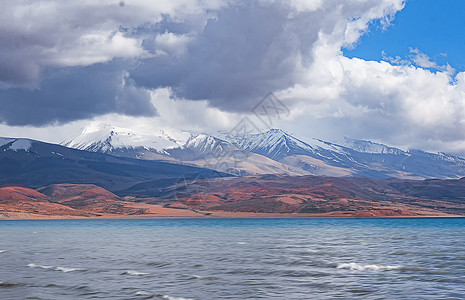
[[154, 211], [222, 216]]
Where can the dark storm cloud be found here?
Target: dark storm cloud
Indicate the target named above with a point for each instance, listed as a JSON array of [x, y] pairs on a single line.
[[64, 60], [243, 53], [67, 60], [74, 93]]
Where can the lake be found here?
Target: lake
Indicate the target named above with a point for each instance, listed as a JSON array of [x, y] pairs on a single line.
[[319, 258]]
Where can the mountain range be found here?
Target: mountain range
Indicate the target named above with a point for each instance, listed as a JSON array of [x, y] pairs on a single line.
[[271, 152], [117, 171]]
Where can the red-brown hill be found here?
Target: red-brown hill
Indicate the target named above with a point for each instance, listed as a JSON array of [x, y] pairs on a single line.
[[341, 196], [88, 197], [63, 200], [15, 199]]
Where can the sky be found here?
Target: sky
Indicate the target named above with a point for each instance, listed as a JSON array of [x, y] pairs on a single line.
[[390, 71]]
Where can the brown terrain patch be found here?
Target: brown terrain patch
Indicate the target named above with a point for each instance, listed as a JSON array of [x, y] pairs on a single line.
[[252, 196]]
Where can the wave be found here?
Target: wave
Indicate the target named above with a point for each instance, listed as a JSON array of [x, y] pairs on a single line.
[[368, 267], [172, 298], [39, 266], [158, 264], [62, 269], [3, 251], [144, 294], [134, 273], [200, 277], [66, 269]]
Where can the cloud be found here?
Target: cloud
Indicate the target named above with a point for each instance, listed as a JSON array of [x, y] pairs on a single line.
[[61, 60], [75, 93], [420, 59], [202, 65], [403, 105], [67, 60], [251, 48]]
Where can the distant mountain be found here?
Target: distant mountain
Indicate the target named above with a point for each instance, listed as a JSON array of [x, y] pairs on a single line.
[[142, 143], [271, 152], [36, 164], [42, 179], [212, 152], [351, 158], [201, 147], [277, 144], [201, 150]]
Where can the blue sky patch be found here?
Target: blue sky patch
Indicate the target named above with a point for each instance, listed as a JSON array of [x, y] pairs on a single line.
[[435, 28]]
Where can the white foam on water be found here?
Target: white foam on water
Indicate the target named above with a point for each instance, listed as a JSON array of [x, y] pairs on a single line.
[[134, 273], [3, 251], [62, 269], [174, 298], [242, 243], [144, 294], [66, 269], [201, 277], [367, 267], [39, 266]]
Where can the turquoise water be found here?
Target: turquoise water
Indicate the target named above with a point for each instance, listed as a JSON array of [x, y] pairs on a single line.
[[378, 258]]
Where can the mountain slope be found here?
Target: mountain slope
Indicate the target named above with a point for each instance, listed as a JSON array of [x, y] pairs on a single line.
[[35, 164]]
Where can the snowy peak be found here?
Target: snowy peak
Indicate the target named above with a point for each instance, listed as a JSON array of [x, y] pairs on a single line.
[[201, 147], [315, 156], [106, 138], [277, 144], [205, 143], [270, 140]]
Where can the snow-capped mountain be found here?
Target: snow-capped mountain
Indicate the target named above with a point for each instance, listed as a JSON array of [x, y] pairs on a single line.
[[350, 158], [274, 151], [141, 142], [201, 146], [277, 144], [212, 152]]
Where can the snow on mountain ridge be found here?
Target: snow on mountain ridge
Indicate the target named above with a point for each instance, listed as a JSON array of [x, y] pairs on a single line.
[[371, 147], [101, 137], [277, 143], [16, 144], [205, 143], [268, 139], [4, 141], [21, 144], [246, 153]]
